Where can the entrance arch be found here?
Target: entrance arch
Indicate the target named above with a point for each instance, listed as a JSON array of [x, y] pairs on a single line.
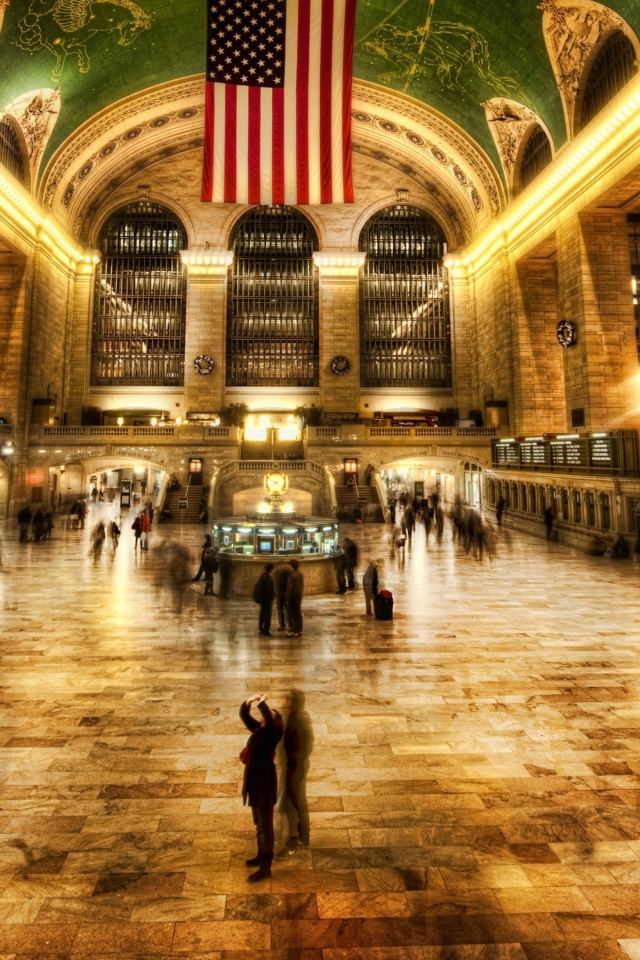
[[448, 476], [77, 478]]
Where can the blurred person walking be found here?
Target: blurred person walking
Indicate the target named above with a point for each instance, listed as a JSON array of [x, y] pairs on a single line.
[[370, 586], [297, 741], [260, 782], [295, 589], [350, 552], [281, 574]]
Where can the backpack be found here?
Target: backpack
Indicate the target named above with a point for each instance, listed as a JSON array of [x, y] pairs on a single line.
[[258, 591]]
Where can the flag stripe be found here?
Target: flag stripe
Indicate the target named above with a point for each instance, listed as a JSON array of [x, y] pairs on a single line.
[[278, 146], [290, 124], [326, 193], [207, 168], [254, 145], [219, 142], [347, 74], [231, 93], [302, 101], [242, 145], [265, 134], [337, 193], [315, 49]]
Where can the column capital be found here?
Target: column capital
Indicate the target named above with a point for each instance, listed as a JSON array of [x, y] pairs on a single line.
[[207, 261], [339, 263]]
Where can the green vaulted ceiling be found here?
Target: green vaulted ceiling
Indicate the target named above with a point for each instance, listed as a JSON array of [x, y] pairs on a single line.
[[476, 49]]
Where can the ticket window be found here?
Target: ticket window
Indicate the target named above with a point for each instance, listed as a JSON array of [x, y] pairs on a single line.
[[266, 544]]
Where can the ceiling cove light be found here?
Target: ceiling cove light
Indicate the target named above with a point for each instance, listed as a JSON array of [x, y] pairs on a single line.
[[615, 121]]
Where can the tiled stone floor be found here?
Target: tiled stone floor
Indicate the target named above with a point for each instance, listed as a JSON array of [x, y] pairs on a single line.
[[475, 785]]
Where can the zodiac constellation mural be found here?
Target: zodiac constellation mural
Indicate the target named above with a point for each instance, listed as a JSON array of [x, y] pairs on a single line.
[[454, 49], [64, 27]]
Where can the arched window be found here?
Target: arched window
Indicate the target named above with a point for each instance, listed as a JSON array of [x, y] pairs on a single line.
[[404, 301], [10, 152], [612, 68], [140, 302], [536, 156], [272, 313]]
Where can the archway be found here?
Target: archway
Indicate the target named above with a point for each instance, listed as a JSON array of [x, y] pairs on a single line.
[[451, 478], [122, 481]]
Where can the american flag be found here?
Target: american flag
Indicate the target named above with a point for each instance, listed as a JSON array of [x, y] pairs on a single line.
[[278, 102]]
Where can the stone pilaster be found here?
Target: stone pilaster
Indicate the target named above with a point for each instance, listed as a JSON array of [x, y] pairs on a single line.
[[82, 297], [206, 333], [539, 398], [463, 342], [339, 328], [594, 280]]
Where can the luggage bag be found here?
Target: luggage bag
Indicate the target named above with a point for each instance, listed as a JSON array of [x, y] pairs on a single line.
[[384, 605]]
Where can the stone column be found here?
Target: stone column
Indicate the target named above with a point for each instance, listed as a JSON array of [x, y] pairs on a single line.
[[463, 344], [82, 299], [539, 396], [594, 281], [339, 328], [206, 333]]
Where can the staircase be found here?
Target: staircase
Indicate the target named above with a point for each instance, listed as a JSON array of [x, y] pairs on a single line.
[[192, 513], [348, 500]]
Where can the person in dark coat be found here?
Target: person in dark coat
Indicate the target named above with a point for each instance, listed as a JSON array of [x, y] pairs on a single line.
[[211, 565], [205, 546], [260, 783], [24, 519], [501, 504], [37, 525], [264, 594], [350, 552], [297, 741]]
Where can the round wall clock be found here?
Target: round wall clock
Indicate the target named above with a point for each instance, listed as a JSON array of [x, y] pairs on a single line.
[[566, 333], [203, 364]]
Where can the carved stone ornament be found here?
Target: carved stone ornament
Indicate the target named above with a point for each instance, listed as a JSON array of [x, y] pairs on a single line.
[[571, 31], [3, 6], [36, 112], [509, 122]]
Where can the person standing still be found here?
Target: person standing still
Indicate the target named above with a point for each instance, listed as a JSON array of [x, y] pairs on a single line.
[[260, 782], [264, 592], [24, 519], [281, 576], [297, 741], [500, 505], [211, 565], [370, 586], [295, 589], [205, 546]]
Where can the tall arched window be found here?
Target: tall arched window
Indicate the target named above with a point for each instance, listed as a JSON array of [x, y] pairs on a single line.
[[10, 152], [535, 157], [272, 323], [612, 69], [140, 302], [405, 337]]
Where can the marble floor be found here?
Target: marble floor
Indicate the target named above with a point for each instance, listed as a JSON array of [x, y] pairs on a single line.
[[475, 786]]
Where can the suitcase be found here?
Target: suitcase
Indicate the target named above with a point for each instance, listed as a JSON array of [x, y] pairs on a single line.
[[384, 605]]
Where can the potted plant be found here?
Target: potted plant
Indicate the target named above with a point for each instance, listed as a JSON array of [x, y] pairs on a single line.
[[238, 413], [302, 413]]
